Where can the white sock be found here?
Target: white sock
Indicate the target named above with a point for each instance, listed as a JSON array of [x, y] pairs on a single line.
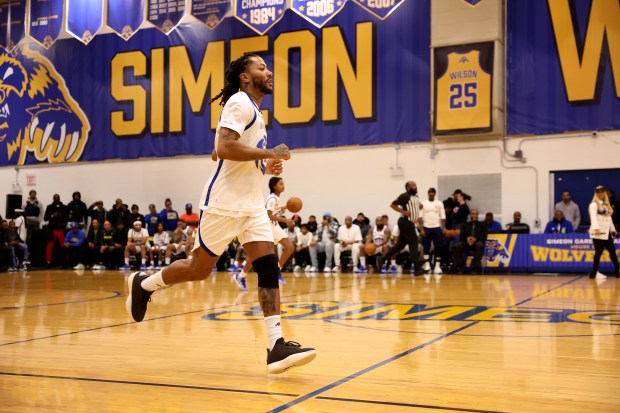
[[126, 261], [363, 261], [274, 330], [167, 260], [159, 263], [236, 263], [154, 282], [393, 262], [143, 261], [243, 274]]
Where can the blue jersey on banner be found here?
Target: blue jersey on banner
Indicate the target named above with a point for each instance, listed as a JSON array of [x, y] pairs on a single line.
[[165, 14], [12, 23], [318, 12], [380, 8], [260, 15], [125, 17], [45, 21], [563, 66], [84, 19], [211, 12]]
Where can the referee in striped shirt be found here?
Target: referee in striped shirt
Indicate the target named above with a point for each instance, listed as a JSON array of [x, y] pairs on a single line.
[[409, 206]]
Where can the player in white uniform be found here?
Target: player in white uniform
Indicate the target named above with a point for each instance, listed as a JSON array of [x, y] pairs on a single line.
[[161, 241], [232, 206], [433, 216], [274, 208], [137, 243], [379, 235]]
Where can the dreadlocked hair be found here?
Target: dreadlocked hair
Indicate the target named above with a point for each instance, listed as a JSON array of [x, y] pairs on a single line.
[[233, 83]]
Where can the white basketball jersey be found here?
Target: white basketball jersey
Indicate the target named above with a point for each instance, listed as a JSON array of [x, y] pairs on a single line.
[[137, 236], [378, 236], [234, 188], [274, 204]]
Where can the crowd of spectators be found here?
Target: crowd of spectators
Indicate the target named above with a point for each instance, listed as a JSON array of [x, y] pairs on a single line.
[[81, 237]]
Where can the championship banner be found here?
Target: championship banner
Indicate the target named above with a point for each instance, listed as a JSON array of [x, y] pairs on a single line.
[[149, 98], [259, 15], [45, 21], [12, 22], [125, 17], [84, 18], [463, 89], [318, 12], [381, 9], [211, 12], [562, 66], [165, 14]]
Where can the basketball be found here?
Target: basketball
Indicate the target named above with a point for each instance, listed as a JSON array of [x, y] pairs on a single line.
[[370, 249], [294, 204]]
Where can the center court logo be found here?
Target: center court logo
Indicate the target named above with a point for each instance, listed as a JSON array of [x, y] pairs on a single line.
[[335, 310]]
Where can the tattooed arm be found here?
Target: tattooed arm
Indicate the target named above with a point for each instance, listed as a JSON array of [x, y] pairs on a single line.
[[229, 147]]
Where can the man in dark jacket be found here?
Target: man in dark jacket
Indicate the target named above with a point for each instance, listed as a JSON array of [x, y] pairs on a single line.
[[473, 237], [57, 217], [77, 210], [94, 238]]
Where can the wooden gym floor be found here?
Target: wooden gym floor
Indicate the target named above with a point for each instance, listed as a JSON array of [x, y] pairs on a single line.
[[492, 343]]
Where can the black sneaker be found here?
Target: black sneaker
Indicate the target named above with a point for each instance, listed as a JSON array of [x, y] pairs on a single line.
[[138, 297], [287, 355]]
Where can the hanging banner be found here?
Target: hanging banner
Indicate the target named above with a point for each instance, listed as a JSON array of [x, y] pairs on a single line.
[[259, 15], [45, 21], [12, 22], [562, 66], [381, 9], [165, 14], [125, 17], [211, 12], [463, 89], [84, 19], [149, 98], [318, 12], [472, 3]]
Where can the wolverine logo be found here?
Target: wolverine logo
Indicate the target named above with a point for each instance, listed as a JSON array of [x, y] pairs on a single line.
[[38, 116], [495, 251]]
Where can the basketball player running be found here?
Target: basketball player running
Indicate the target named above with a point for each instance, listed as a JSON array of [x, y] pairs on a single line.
[[232, 206], [274, 207]]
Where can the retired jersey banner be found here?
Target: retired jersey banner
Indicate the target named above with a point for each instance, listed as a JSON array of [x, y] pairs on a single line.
[[12, 22], [149, 97], [260, 15], [165, 14], [379, 8], [84, 18], [463, 89], [45, 21], [125, 17], [211, 12], [317, 12], [563, 66]]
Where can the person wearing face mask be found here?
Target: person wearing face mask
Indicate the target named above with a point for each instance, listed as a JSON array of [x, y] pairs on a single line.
[[602, 231], [408, 205]]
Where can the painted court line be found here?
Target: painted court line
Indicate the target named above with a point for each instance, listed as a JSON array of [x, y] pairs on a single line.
[[399, 356]]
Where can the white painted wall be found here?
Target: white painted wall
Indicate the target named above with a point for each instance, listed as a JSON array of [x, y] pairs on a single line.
[[342, 181]]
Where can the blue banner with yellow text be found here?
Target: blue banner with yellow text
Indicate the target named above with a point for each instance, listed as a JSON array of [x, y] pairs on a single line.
[[359, 81], [45, 21], [211, 12], [12, 22], [260, 15], [317, 12], [563, 65], [379, 8]]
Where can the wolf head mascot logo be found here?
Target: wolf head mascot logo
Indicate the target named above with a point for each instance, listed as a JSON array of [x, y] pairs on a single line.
[[38, 116], [495, 251]]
